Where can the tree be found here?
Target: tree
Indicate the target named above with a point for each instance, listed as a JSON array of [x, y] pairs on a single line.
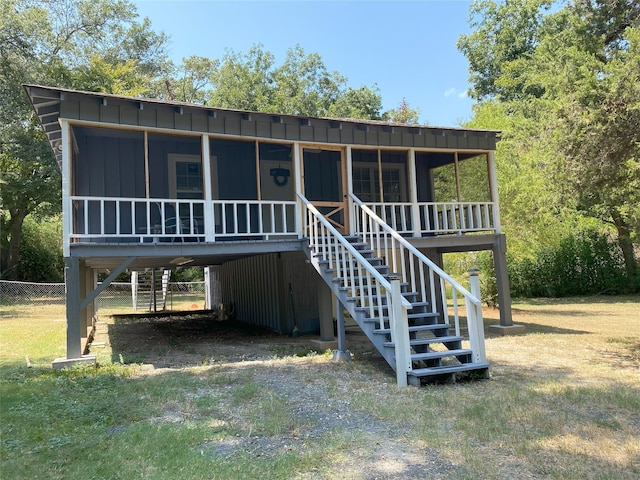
[[96, 45], [505, 35], [569, 77], [403, 114], [302, 85], [30, 181], [188, 82]]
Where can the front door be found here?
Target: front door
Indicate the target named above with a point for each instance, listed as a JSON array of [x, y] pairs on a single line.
[[324, 176]]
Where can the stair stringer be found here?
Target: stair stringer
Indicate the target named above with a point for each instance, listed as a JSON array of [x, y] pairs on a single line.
[[347, 302]]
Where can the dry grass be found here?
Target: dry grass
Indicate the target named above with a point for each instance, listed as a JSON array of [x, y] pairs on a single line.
[[563, 402]]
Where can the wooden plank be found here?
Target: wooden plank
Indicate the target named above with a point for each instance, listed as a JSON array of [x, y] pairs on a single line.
[[263, 129], [90, 111]]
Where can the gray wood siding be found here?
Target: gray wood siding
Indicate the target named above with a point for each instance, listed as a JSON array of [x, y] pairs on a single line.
[[191, 118], [160, 147], [261, 125], [109, 166]]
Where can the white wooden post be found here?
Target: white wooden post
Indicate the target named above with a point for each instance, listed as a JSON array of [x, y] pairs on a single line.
[[350, 211], [493, 185], [298, 179], [209, 220], [474, 319], [400, 332], [208, 292], [67, 207], [134, 289], [413, 192]]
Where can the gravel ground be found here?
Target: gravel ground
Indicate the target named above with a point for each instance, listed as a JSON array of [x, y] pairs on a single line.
[[316, 389]]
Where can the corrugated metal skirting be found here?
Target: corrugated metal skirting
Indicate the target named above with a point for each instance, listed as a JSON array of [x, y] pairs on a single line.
[[276, 291]]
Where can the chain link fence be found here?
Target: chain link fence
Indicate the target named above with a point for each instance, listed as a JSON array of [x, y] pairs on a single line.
[[117, 298], [26, 293]]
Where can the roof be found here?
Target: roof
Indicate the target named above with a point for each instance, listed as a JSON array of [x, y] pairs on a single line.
[[48, 105]]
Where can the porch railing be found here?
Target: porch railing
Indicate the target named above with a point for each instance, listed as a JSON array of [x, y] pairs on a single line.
[[109, 219], [426, 218], [414, 267]]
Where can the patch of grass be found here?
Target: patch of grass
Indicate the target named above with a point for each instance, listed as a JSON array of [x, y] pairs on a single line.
[[562, 402]]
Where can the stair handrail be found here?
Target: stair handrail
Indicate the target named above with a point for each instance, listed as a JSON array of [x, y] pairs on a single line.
[[350, 248], [403, 355], [473, 303]]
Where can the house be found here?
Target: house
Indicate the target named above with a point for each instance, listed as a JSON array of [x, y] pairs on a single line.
[[297, 218]]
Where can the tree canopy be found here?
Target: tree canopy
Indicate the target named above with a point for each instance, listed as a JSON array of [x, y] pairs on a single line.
[[95, 45], [103, 46], [564, 77]]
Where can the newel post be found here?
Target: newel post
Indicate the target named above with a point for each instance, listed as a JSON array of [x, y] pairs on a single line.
[[474, 319], [400, 332]]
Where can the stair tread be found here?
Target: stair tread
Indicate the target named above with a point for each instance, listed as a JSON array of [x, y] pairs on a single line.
[[385, 306], [441, 354], [429, 341], [416, 328], [364, 253], [463, 367], [410, 316]]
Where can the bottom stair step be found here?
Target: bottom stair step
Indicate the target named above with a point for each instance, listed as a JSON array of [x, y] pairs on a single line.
[[444, 353], [437, 371]]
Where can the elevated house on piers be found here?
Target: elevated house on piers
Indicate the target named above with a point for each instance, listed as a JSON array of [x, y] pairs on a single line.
[[298, 218]]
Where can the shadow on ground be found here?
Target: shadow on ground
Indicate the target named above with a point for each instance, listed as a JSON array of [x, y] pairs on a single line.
[[192, 339]]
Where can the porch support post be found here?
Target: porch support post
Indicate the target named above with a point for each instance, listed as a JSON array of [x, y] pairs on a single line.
[[413, 194], [341, 354], [493, 186], [134, 290], [506, 326], [209, 220], [84, 312], [456, 166], [212, 286], [72, 290], [325, 311]]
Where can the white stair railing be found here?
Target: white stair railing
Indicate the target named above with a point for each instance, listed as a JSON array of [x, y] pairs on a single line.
[[414, 267], [365, 284]]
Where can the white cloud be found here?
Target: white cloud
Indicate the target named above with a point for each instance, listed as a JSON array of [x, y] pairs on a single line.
[[450, 92]]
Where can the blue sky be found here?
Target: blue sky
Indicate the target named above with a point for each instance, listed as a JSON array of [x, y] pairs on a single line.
[[407, 48]]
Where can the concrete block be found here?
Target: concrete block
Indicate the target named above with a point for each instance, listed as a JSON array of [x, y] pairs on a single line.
[[507, 330], [324, 345], [60, 363]]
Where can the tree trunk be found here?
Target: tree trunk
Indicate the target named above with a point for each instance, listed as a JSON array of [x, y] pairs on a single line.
[[15, 233], [626, 245]]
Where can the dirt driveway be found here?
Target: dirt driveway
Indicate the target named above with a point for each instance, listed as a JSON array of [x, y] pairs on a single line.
[[318, 390]]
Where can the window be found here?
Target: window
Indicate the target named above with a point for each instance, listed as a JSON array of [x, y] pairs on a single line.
[[185, 176], [366, 183], [363, 187]]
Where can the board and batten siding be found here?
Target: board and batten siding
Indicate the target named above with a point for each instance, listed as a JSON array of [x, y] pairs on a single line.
[[124, 111], [258, 288]]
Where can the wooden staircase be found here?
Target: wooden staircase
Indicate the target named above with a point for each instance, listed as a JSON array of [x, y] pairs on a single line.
[[360, 275]]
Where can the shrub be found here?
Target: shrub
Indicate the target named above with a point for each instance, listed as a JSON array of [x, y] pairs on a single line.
[[586, 262], [41, 257]]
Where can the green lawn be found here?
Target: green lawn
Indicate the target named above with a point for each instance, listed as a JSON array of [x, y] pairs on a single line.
[[562, 402]]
